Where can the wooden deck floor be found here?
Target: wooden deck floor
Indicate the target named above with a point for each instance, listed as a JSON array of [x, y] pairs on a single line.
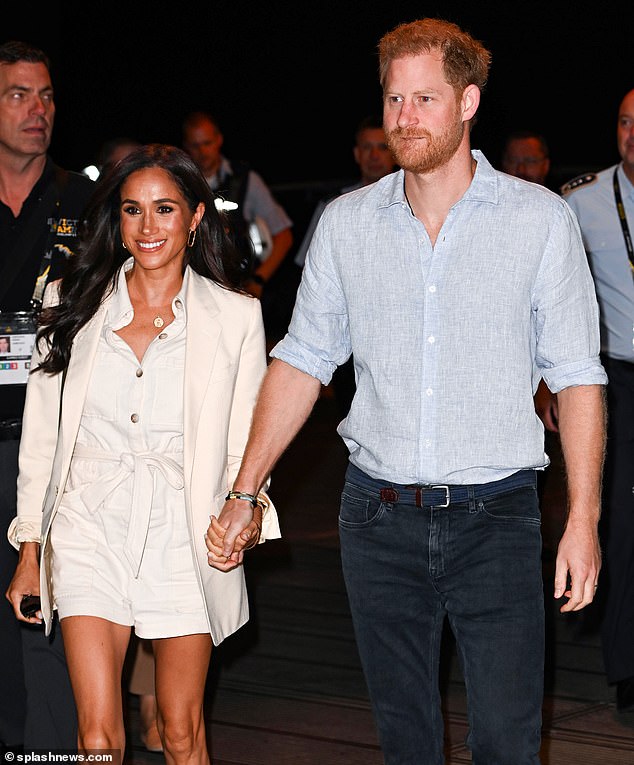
[[288, 688]]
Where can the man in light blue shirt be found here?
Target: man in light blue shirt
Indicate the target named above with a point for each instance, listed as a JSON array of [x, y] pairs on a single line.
[[455, 288], [607, 235]]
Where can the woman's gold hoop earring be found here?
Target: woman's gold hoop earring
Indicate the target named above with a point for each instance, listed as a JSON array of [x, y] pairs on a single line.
[[191, 237], [124, 247]]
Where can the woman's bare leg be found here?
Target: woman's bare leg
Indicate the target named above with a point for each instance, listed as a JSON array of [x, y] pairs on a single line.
[[181, 673], [95, 652]]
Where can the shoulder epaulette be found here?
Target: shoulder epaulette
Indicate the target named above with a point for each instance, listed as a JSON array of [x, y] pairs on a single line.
[[580, 180]]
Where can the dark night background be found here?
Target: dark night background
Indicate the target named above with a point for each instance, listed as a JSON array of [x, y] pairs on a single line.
[[290, 80]]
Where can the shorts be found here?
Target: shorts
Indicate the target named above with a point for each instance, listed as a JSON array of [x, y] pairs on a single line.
[[92, 576]]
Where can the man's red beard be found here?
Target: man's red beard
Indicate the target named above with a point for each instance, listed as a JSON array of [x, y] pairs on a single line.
[[418, 151]]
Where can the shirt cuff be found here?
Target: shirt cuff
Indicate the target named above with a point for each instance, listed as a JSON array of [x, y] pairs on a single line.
[[24, 530]]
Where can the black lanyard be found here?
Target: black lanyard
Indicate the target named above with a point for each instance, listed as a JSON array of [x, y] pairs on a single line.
[[623, 218]]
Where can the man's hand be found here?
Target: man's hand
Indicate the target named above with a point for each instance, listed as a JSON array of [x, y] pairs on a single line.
[[578, 565], [236, 529], [582, 434]]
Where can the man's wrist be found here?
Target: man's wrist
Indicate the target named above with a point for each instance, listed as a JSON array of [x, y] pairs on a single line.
[[255, 500], [245, 497]]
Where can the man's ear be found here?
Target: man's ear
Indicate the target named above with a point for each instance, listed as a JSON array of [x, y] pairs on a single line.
[[469, 102]]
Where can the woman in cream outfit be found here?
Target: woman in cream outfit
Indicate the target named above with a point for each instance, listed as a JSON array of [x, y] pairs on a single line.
[[157, 357]]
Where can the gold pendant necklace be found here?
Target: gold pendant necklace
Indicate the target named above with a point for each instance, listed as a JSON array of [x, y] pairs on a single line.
[[158, 322]]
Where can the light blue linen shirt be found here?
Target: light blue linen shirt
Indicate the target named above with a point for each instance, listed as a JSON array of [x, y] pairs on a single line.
[[449, 341], [595, 208]]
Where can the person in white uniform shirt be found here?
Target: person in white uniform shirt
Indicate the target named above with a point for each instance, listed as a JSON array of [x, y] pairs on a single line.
[[156, 355], [604, 205]]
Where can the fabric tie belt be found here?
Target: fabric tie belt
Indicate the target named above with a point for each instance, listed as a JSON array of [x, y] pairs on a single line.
[[438, 495], [141, 465]]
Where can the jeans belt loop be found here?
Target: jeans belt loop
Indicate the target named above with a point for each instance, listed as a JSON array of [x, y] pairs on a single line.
[[389, 495]]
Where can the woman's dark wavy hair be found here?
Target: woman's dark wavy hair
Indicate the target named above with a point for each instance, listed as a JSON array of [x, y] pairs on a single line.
[[92, 273]]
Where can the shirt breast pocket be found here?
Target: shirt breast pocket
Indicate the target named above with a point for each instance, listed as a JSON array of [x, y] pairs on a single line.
[[105, 395], [167, 391]]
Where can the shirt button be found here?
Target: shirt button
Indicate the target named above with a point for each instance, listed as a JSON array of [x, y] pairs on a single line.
[[432, 288], [431, 339], [162, 336], [429, 392], [178, 303], [139, 372], [134, 417], [428, 443]]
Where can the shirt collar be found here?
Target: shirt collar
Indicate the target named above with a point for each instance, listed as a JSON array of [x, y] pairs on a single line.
[[120, 311], [483, 187]]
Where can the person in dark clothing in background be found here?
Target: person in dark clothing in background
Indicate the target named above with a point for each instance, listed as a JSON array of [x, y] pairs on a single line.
[[40, 211], [257, 219], [375, 160]]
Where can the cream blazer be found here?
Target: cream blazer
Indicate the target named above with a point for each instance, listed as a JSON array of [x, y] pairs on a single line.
[[225, 361]]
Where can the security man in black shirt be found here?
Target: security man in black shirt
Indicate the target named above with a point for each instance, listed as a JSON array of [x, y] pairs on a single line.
[[40, 212]]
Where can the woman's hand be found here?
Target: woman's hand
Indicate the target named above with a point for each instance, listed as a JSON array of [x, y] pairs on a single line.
[[26, 581]]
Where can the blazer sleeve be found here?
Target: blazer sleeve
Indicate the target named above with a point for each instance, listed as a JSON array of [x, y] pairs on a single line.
[[37, 444], [251, 370]]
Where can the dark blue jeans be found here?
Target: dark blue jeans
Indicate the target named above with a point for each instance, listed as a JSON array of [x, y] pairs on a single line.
[[477, 562]]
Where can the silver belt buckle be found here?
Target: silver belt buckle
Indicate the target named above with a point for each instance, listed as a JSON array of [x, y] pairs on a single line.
[[447, 495]]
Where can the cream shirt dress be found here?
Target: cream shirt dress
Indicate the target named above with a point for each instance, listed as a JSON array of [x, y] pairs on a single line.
[[120, 542]]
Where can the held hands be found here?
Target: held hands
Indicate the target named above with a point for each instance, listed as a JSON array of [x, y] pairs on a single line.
[[236, 529]]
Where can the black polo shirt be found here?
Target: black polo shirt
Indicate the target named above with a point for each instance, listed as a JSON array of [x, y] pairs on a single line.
[[54, 207]]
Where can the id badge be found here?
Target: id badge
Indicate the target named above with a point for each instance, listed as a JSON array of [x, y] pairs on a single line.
[[17, 340]]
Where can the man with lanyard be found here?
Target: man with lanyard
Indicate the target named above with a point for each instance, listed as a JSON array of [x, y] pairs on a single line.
[[40, 209], [604, 205]]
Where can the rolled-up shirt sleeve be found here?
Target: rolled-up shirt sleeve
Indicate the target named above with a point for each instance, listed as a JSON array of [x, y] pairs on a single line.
[[566, 310], [318, 338], [25, 529]]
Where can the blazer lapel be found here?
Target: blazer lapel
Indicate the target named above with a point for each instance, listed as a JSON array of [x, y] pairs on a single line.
[[203, 335]]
